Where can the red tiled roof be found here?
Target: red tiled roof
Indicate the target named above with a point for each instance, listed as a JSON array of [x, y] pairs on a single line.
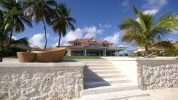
[[35, 48], [87, 41]]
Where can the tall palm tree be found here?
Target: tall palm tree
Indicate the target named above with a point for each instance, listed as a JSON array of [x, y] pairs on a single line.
[[62, 21], [147, 33], [17, 21], [40, 10]]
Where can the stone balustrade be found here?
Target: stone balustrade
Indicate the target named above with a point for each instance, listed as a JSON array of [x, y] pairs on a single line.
[[41, 81]]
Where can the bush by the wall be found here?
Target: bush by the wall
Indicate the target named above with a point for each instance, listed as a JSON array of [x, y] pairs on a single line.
[[11, 51]]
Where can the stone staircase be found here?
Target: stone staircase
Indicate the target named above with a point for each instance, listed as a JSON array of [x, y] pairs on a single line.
[[103, 81]]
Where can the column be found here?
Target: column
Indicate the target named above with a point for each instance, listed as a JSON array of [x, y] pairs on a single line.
[[85, 52], [104, 52], [69, 52]]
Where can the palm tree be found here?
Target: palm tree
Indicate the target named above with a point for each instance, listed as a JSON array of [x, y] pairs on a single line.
[[17, 21], [62, 21], [147, 33], [40, 10], [4, 36]]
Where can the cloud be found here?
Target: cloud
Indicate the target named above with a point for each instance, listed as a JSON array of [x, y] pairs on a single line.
[[154, 4], [175, 32], [13, 37], [37, 40], [86, 32], [114, 38], [152, 12], [91, 31], [105, 26], [125, 4]]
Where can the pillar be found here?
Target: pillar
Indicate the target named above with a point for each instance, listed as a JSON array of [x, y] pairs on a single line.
[[104, 52], [69, 52], [85, 52]]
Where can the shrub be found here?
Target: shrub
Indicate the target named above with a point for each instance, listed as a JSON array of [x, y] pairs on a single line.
[[11, 51]]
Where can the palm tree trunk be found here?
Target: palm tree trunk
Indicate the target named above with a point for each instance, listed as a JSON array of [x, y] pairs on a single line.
[[10, 38], [59, 40], [146, 51], [1, 52], [45, 34]]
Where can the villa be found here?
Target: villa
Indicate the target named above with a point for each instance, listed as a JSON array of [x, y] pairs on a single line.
[[92, 47]]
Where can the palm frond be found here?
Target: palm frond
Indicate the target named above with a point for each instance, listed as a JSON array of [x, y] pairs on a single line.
[[135, 10], [22, 41], [129, 23], [4, 5], [167, 45], [26, 21]]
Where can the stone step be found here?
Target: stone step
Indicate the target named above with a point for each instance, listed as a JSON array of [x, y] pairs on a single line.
[[91, 76], [92, 60], [115, 95], [109, 80], [102, 71], [95, 62], [106, 82], [106, 89], [100, 68], [99, 65]]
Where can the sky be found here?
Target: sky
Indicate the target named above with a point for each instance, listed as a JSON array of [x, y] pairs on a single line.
[[99, 19]]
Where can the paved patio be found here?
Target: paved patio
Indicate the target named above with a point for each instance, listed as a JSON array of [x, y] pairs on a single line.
[[159, 94]]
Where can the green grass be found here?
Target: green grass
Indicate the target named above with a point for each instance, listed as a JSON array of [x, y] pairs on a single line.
[[10, 57], [71, 57], [82, 57]]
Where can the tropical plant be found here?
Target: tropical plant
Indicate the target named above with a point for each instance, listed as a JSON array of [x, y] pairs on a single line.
[[40, 10], [16, 22], [4, 37], [62, 21], [147, 33]]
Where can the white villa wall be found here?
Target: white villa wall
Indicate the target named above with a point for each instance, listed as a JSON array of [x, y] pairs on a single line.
[[41, 81]]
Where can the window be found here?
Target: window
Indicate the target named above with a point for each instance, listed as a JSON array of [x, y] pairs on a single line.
[[77, 44], [105, 45]]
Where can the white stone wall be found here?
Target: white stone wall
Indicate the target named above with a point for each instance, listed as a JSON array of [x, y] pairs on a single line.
[[128, 67], [162, 76], [41, 81], [149, 73]]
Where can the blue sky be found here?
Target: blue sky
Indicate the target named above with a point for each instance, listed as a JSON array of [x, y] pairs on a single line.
[[100, 19]]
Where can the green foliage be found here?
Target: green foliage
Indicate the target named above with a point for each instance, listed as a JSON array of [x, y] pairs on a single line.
[[148, 33], [11, 51], [139, 54], [166, 53], [40, 11], [62, 21]]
